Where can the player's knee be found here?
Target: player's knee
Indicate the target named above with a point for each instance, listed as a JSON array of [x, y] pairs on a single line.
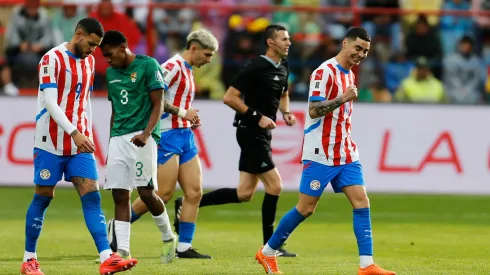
[[165, 195], [360, 202], [146, 195], [45, 191], [274, 189], [245, 196], [306, 210], [120, 196], [193, 194]]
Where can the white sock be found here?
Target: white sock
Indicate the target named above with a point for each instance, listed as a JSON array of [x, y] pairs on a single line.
[[104, 255], [366, 261], [163, 223], [181, 247], [29, 255], [268, 251], [123, 230]]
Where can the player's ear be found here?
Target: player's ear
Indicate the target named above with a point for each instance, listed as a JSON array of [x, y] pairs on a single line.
[[193, 48], [123, 47], [79, 33]]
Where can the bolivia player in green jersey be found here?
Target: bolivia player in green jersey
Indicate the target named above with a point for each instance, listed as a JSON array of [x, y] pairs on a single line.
[[135, 85]]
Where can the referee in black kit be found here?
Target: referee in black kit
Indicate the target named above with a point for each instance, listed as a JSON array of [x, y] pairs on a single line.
[[264, 84]]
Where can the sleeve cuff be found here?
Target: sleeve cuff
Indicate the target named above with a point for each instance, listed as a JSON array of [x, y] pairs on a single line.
[[317, 98], [48, 85], [156, 87]]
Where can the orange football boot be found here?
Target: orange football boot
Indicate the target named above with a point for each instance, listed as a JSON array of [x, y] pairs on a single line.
[[31, 267], [116, 264], [374, 269], [268, 262]]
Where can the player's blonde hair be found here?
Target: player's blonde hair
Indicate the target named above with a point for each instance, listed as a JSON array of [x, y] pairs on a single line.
[[205, 38]]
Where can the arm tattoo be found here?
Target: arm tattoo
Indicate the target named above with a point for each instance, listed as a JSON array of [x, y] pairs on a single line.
[[321, 108], [170, 108]]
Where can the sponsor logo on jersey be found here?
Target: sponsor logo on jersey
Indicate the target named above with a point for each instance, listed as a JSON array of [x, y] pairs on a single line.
[[319, 75], [169, 66]]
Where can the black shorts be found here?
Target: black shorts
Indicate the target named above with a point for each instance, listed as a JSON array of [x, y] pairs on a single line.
[[256, 150]]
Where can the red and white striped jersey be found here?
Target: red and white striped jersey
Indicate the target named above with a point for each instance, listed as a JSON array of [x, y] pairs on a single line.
[[327, 140], [179, 90], [73, 78]]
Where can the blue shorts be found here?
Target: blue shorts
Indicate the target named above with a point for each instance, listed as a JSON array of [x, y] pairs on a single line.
[[177, 141], [316, 176], [50, 168]]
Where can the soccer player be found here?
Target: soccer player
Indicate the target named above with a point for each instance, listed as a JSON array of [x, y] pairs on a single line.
[[330, 154], [135, 85], [264, 84], [64, 142], [178, 158]]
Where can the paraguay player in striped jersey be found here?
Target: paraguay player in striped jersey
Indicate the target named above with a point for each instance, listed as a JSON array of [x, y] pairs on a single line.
[[330, 155], [63, 142], [135, 86], [178, 158]]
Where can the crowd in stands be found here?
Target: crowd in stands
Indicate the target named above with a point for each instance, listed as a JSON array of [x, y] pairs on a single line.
[[413, 58]]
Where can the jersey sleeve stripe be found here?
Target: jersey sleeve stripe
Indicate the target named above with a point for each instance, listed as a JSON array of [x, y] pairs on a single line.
[[165, 115], [43, 111], [312, 127], [48, 85], [317, 98]]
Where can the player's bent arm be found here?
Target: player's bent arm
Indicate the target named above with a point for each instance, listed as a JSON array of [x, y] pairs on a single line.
[[54, 110], [284, 103], [156, 103], [318, 109]]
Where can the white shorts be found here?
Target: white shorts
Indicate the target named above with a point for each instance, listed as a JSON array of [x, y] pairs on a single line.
[[128, 166]]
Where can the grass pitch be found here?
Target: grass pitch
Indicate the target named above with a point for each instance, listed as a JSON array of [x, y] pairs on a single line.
[[413, 234]]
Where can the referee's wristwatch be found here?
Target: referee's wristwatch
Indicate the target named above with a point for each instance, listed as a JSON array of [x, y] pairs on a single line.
[[285, 113]]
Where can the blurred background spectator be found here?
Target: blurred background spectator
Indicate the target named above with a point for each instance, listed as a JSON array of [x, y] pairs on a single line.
[[414, 57]]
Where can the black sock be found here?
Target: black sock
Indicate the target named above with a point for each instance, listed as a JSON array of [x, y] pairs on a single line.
[[220, 196], [269, 206]]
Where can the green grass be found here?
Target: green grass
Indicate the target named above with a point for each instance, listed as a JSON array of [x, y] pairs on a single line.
[[413, 234]]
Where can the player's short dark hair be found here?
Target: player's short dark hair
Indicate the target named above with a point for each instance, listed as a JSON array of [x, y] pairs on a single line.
[[270, 32], [113, 38], [358, 32], [90, 25]]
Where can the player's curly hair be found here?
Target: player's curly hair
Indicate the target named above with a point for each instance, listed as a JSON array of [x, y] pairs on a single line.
[[204, 38]]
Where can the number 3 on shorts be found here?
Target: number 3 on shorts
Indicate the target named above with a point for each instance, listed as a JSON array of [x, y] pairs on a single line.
[[139, 169], [124, 97]]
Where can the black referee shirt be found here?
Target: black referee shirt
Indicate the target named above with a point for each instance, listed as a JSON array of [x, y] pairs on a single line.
[[262, 82]]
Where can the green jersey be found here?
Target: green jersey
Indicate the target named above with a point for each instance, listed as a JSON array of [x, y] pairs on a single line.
[[129, 92]]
